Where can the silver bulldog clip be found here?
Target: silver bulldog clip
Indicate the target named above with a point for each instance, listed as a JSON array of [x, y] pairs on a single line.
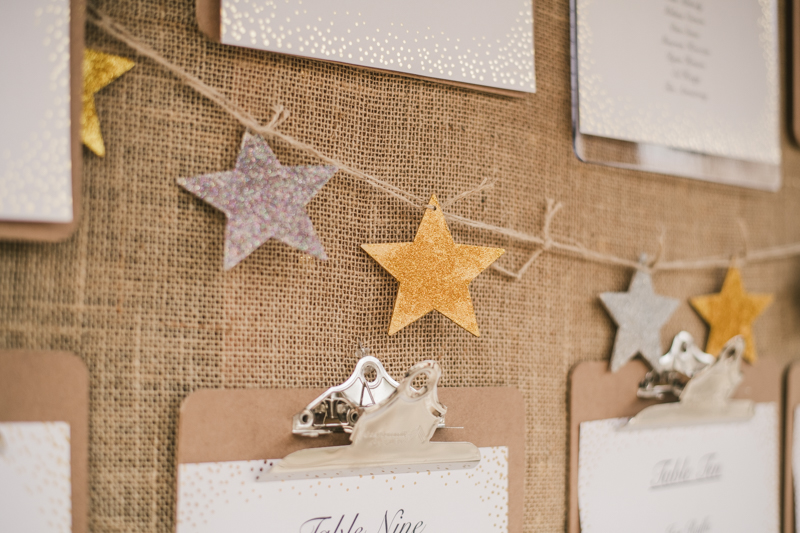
[[702, 383], [675, 368], [391, 436], [338, 408]]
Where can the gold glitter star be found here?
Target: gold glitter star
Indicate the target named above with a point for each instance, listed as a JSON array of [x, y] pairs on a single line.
[[99, 70], [731, 313], [434, 273]]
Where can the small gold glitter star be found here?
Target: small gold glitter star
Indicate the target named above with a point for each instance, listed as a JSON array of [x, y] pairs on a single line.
[[731, 312], [99, 70], [434, 273]]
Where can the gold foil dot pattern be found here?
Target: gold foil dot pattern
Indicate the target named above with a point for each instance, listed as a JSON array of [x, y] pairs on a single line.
[[35, 172], [348, 36], [208, 489], [35, 468]]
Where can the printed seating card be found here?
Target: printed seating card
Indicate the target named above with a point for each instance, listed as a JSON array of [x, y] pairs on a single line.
[[695, 76], [40, 102], [35, 477], [228, 437], [455, 41], [794, 34], [227, 495], [44, 442], [714, 477], [722, 476], [791, 450]]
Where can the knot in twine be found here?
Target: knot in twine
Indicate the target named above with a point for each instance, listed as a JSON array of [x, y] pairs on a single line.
[[740, 259], [546, 241], [553, 207], [280, 116]]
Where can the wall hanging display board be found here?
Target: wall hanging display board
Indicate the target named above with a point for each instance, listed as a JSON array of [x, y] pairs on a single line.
[[44, 442], [681, 478], [226, 437], [683, 88], [140, 291], [791, 455], [458, 42], [40, 102]]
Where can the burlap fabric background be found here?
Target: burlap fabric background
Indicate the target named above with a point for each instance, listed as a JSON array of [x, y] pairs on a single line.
[[140, 295]]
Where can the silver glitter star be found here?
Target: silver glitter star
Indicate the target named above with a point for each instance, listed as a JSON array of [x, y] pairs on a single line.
[[262, 200], [640, 314]]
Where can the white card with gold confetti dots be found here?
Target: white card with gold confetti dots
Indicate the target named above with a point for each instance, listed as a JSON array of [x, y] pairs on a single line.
[[35, 482], [795, 458], [226, 496], [456, 40], [35, 132]]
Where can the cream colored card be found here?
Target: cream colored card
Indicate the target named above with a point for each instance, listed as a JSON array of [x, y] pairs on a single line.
[[709, 478], [460, 41], [795, 458], [696, 75], [35, 132], [227, 496], [35, 477]]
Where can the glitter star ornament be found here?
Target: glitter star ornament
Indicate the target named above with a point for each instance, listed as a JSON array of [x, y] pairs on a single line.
[[99, 70], [639, 314], [434, 272], [731, 312], [262, 200]]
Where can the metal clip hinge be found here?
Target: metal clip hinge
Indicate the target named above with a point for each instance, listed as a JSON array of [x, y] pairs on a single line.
[[391, 436], [675, 368], [704, 389], [338, 409]]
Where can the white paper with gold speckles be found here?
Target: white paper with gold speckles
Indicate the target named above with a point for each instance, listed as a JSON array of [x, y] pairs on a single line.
[[215, 497], [696, 75], [714, 478], [35, 138], [795, 458], [458, 40], [35, 477]]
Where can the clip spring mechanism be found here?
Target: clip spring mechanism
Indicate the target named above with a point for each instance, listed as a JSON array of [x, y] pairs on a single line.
[[391, 436], [675, 368], [703, 384], [339, 408]]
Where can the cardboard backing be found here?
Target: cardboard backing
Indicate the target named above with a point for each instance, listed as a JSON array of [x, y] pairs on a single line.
[[595, 393], [238, 425], [58, 231], [52, 387]]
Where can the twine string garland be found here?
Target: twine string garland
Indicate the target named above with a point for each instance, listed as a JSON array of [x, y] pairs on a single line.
[[544, 242]]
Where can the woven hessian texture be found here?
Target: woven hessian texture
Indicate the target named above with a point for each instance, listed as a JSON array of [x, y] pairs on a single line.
[[139, 292]]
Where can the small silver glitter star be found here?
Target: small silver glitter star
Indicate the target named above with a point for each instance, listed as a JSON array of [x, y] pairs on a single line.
[[262, 200], [640, 314]]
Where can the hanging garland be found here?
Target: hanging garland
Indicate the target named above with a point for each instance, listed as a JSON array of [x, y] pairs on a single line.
[[544, 241], [276, 197]]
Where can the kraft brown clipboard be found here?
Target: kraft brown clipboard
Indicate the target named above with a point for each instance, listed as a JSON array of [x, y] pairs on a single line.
[[792, 402], [58, 231], [238, 425], [52, 387], [209, 19], [595, 393]]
